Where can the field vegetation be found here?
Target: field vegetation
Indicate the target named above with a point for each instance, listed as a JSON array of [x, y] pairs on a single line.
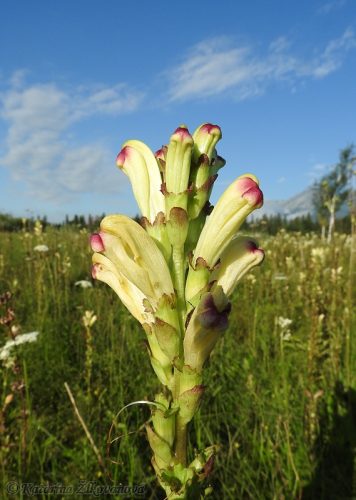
[[281, 397]]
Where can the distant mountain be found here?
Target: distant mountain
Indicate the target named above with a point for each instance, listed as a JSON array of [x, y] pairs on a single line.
[[298, 206]]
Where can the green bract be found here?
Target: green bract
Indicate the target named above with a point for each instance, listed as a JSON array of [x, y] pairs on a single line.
[[174, 273]]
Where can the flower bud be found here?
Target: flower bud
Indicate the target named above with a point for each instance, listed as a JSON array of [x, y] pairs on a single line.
[[161, 154], [205, 138], [202, 185], [139, 164], [178, 169], [161, 157], [178, 161], [237, 259], [206, 326], [203, 175]]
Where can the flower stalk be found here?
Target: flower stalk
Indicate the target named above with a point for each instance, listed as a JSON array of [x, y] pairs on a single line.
[[175, 273]]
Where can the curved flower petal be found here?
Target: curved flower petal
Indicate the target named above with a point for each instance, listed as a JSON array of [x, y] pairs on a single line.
[[236, 203], [236, 260], [135, 255], [132, 298], [139, 163]]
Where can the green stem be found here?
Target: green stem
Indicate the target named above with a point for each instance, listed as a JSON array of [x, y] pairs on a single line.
[[178, 261], [181, 442], [179, 271], [181, 435]]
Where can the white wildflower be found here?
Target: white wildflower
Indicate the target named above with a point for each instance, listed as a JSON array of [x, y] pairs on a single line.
[[84, 284], [89, 319], [41, 248], [5, 351], [284, 323]]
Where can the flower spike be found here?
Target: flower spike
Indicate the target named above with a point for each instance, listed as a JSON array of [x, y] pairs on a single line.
[[175, 274]]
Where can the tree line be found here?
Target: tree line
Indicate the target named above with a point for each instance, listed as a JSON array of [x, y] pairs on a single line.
[[332, 191]]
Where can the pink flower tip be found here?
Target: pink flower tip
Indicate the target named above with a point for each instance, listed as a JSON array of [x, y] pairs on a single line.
[[96, 243], [252, 247], [250, 191], [182, 134], [211, 129], [160, 154], [121, 157], [94, 270]]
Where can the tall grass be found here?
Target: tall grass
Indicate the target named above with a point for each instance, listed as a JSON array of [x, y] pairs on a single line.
[[280, 399]]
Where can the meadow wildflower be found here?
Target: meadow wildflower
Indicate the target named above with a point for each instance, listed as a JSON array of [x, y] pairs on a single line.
[[175, 274], [20, 339], [41, 248], [83, 284]]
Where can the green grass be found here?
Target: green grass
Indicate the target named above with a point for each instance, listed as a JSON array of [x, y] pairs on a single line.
[[280, 404]]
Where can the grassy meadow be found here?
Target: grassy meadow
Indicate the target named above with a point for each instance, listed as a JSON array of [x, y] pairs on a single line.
[[281, 397]]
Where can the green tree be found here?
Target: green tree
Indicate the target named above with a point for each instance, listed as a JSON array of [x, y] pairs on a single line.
[[333, 190]]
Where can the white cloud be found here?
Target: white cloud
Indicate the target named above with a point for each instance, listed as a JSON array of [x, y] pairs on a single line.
[[332, 57], [39, 147], [328, 7], [218, 66]]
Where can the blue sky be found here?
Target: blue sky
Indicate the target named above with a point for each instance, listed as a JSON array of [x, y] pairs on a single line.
[[79, 78]]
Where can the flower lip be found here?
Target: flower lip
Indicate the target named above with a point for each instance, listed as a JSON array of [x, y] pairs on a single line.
[[252, 247], [254, 197], [211, 129], [94, 270], [182, 133], [249, 189], [96, 243], [161, 154], [121, 157]]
